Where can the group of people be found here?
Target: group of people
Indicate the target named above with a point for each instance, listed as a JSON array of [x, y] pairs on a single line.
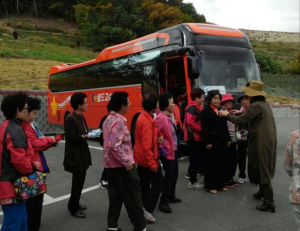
[[217, 135]]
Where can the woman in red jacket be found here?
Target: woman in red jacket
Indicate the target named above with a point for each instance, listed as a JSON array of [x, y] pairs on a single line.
[[34, 205], [146, 156], [192, 135]]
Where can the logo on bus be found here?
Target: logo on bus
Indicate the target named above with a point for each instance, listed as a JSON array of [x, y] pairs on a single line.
[[58, 106], [101, 97]]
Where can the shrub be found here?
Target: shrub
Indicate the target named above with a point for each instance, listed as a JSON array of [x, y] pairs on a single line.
[[72, 44], [294, 65], [15, 34], [35, 39], [268, 64]]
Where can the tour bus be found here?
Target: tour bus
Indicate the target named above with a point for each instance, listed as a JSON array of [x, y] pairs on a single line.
[[175, 60]]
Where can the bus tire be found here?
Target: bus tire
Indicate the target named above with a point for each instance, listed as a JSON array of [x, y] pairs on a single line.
[[133, 125]]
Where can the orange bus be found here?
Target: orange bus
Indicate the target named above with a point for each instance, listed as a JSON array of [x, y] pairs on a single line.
[[176, 59]]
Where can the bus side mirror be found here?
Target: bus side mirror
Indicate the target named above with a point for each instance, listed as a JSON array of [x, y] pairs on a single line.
[[193, 67]]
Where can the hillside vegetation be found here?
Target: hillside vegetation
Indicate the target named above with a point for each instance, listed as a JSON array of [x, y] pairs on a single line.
[[25, 62]]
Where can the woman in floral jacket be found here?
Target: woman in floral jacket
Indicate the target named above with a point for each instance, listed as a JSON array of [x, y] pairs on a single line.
[[292, 167], [124, 185]]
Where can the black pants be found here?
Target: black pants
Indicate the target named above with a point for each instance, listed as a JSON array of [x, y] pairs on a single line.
[[231, 161], [170, 179], [196, 156], [151, 186], [34, 208], [242, 154], [124, 186], [78, 179], [215, 167], [104, 176]]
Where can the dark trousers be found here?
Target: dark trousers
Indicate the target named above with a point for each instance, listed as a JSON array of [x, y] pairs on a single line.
[[104, 176], [78, 179], [124, 187], [231, 161], [242, 154], [267, 191], [170, 179], [34, 208], [254, 175], [196, 156], [215, 167], [151, 186]]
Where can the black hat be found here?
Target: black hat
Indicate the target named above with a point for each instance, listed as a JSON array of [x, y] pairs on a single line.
[[241, 95]]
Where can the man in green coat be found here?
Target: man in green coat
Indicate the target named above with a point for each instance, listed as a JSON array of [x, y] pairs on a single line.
[[262, 140]]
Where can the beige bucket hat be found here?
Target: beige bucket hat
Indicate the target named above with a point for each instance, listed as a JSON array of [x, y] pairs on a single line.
[[255, 88]]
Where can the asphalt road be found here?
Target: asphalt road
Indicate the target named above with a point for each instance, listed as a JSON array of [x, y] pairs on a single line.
[[199, 210]]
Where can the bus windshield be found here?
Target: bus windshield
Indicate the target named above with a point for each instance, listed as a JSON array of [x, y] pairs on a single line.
[[227, 67]]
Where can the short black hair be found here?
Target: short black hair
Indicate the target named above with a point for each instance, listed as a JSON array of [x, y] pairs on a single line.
[[108, 107], [164, 100], [33, 104], [211, 94], [117, 100], [77, 99], [11, 103], [149, 101], [196, 93]]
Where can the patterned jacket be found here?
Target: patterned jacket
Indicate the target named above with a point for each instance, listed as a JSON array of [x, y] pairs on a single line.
[[117, 149], [292, 165]]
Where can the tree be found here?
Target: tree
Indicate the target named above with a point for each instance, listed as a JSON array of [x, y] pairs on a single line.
[[294, 65], [161, 15]]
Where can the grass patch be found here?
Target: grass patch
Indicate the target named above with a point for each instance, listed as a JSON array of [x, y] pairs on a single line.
[[29, 50], [284, 81], [283, 52], [25, 73]]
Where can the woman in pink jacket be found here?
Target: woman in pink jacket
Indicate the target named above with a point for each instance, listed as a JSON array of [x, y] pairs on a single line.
[[168, 151]]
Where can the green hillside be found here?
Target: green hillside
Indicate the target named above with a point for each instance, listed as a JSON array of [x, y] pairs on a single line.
[[25, 62]]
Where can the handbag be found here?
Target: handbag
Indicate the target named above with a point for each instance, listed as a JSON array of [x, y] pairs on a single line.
[[30, 186]]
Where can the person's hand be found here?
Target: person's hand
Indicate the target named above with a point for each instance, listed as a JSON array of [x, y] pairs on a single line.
[[91, 135], [53, 138], [209, 146], [160, 140], [228, 143], [223, 113], [37, 165], [129, 167], [236, 112], [154, 170]]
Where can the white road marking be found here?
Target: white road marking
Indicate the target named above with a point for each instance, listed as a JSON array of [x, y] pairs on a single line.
[[49, 200]]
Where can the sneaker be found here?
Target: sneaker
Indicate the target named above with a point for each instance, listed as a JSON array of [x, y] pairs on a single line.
[[198, 176], [103, 184], [196, 185], [241, 180], [148, 216], [187, 176]]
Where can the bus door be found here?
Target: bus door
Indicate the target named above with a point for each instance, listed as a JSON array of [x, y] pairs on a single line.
[[175, 81], [149, 78]]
